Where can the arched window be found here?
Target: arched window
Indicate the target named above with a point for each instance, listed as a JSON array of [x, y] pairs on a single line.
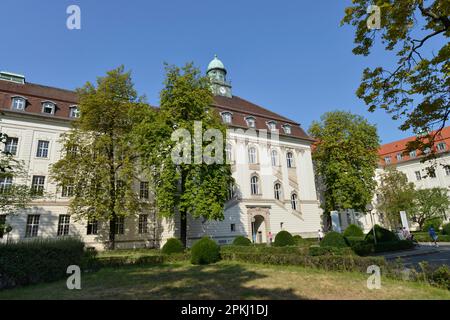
[[254, 185], [272, 125], [290, 159], [229, 152], [18, 103], [252, 157], [48, 107], [274, 157], [74, 112], [277, 190], [251, 122], [226, 117], [294, 202]]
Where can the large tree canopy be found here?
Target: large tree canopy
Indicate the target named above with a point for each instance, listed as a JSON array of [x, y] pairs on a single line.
[[430, 203], [417, 89], [345, 158]]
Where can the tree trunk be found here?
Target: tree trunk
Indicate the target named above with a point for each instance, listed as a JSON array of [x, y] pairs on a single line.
[[183, 228], [112, 233]]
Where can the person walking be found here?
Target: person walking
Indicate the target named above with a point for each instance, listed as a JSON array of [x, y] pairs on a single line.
[[433, 236], [320, 235]]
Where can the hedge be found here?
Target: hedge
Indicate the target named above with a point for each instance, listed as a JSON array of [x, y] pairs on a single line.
[[394, 246], [173, 245], [283, 239], [333, 239], [425, 237], [265, 249], [382, 234], [30, 262], [205, 251], [119, 261], [353, 231], [241, 241], [331, 251]]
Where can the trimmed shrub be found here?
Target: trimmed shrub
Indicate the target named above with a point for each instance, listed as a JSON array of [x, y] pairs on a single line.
[[118, 261], [173, 245], [30, 262], [330, 251], [394, 246], [382, 234], [298, 239], [333, 239], [435, 223], [205, 251], [242, 241], [425, 237], [353, 231], [283, 239], [446, 229], [265, 249]]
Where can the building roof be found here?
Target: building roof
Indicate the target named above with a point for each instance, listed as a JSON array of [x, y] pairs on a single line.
[[215, 64], [392, 149]]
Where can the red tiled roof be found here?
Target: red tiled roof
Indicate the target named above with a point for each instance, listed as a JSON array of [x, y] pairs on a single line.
[[398, 147]]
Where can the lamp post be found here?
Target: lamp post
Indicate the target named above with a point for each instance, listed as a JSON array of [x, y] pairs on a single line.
[[253, 230], [369, 209]]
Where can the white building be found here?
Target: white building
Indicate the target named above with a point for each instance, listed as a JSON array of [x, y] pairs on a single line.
[[275, 187]]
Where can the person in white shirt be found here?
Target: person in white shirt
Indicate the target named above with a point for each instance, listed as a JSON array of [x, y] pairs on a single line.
[[320, 235]]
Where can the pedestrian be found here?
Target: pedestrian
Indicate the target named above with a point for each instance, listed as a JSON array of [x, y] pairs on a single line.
[[270, 238], [320, 235], [433, 236]]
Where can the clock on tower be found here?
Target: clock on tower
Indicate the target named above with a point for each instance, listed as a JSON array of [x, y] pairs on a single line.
[[218, 75]]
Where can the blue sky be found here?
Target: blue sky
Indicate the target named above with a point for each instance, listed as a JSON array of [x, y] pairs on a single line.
[[289, 56]]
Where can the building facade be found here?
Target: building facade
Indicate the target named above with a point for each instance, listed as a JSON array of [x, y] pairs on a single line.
[[270, 157]]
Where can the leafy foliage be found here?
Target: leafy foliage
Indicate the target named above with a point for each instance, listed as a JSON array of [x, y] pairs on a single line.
[[430, 204], [382, 234], [205, 251], [173, 245], [241, 241], [353, 231], [333, 239], [434, 223], [345, 158], [283, 239], [446, 229], [417, 89]]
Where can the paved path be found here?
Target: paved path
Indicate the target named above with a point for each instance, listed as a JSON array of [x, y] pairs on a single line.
[[425, 252]]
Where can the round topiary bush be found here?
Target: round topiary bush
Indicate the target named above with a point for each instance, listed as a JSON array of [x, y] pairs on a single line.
[[333, 239], [205, 251], [298, 239], [446, 229], [241, 241], [383, 235], [353, 231], [284, 239], [435, 223], [172, 245]]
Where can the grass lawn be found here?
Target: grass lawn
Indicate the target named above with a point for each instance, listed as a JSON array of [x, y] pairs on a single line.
[[225, 280]]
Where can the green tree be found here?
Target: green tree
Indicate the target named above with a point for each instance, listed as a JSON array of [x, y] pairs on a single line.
[[430, 204], [345, 158], [192, 187], [395, 194], [99, 162], [417, 89]]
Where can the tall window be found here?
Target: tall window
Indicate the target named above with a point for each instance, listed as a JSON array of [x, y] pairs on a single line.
[[287, 129], [447, 170], [92, 227], [418, 175], [18, 103], [144, 190], [277, 190], [37, 185], [48, 108], [120, 225], [74, 112], [441, 146], [231, 191], [290, 159], [229, 152], [252, 158], [399, 157], [413, 154], [63, 225], [42, 149], [11, 145], [251, 122], [5, 184], [274, 157], [143, 224], [32, 228], [67, 191], [294, 202], [254, 185], [226, 117]]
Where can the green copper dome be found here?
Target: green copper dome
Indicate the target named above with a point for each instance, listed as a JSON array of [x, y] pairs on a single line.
[[216, 64]]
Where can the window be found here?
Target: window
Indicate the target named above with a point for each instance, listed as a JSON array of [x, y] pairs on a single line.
[[277, 190], [274, 157], [120, 222], [287, 129], [272, 125], [231, 191], [18, 103], [399, 157], [447, 170], [92, 227], [251, 122], [418, 175], [32, 228], [252, 155], [294, 201], [143, 224], [37, 185], [254, 185], [48, 108], [229, 152], [63, 225], [233, 227], [2, 224], [74, 112], [67, 191], [427, 150], [5, 184], [413, 154], [387, 160], [144, 190], [42, 149], [11, 145], [441, 146], [290, 159], [432, 173], [226, 117]]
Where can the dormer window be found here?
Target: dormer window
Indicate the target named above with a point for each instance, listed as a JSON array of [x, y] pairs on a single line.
[[226, 117], [18, 103], [48, 108], [251, 122], [74, 112], [272, 125], [287, 129], [442, 147]]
